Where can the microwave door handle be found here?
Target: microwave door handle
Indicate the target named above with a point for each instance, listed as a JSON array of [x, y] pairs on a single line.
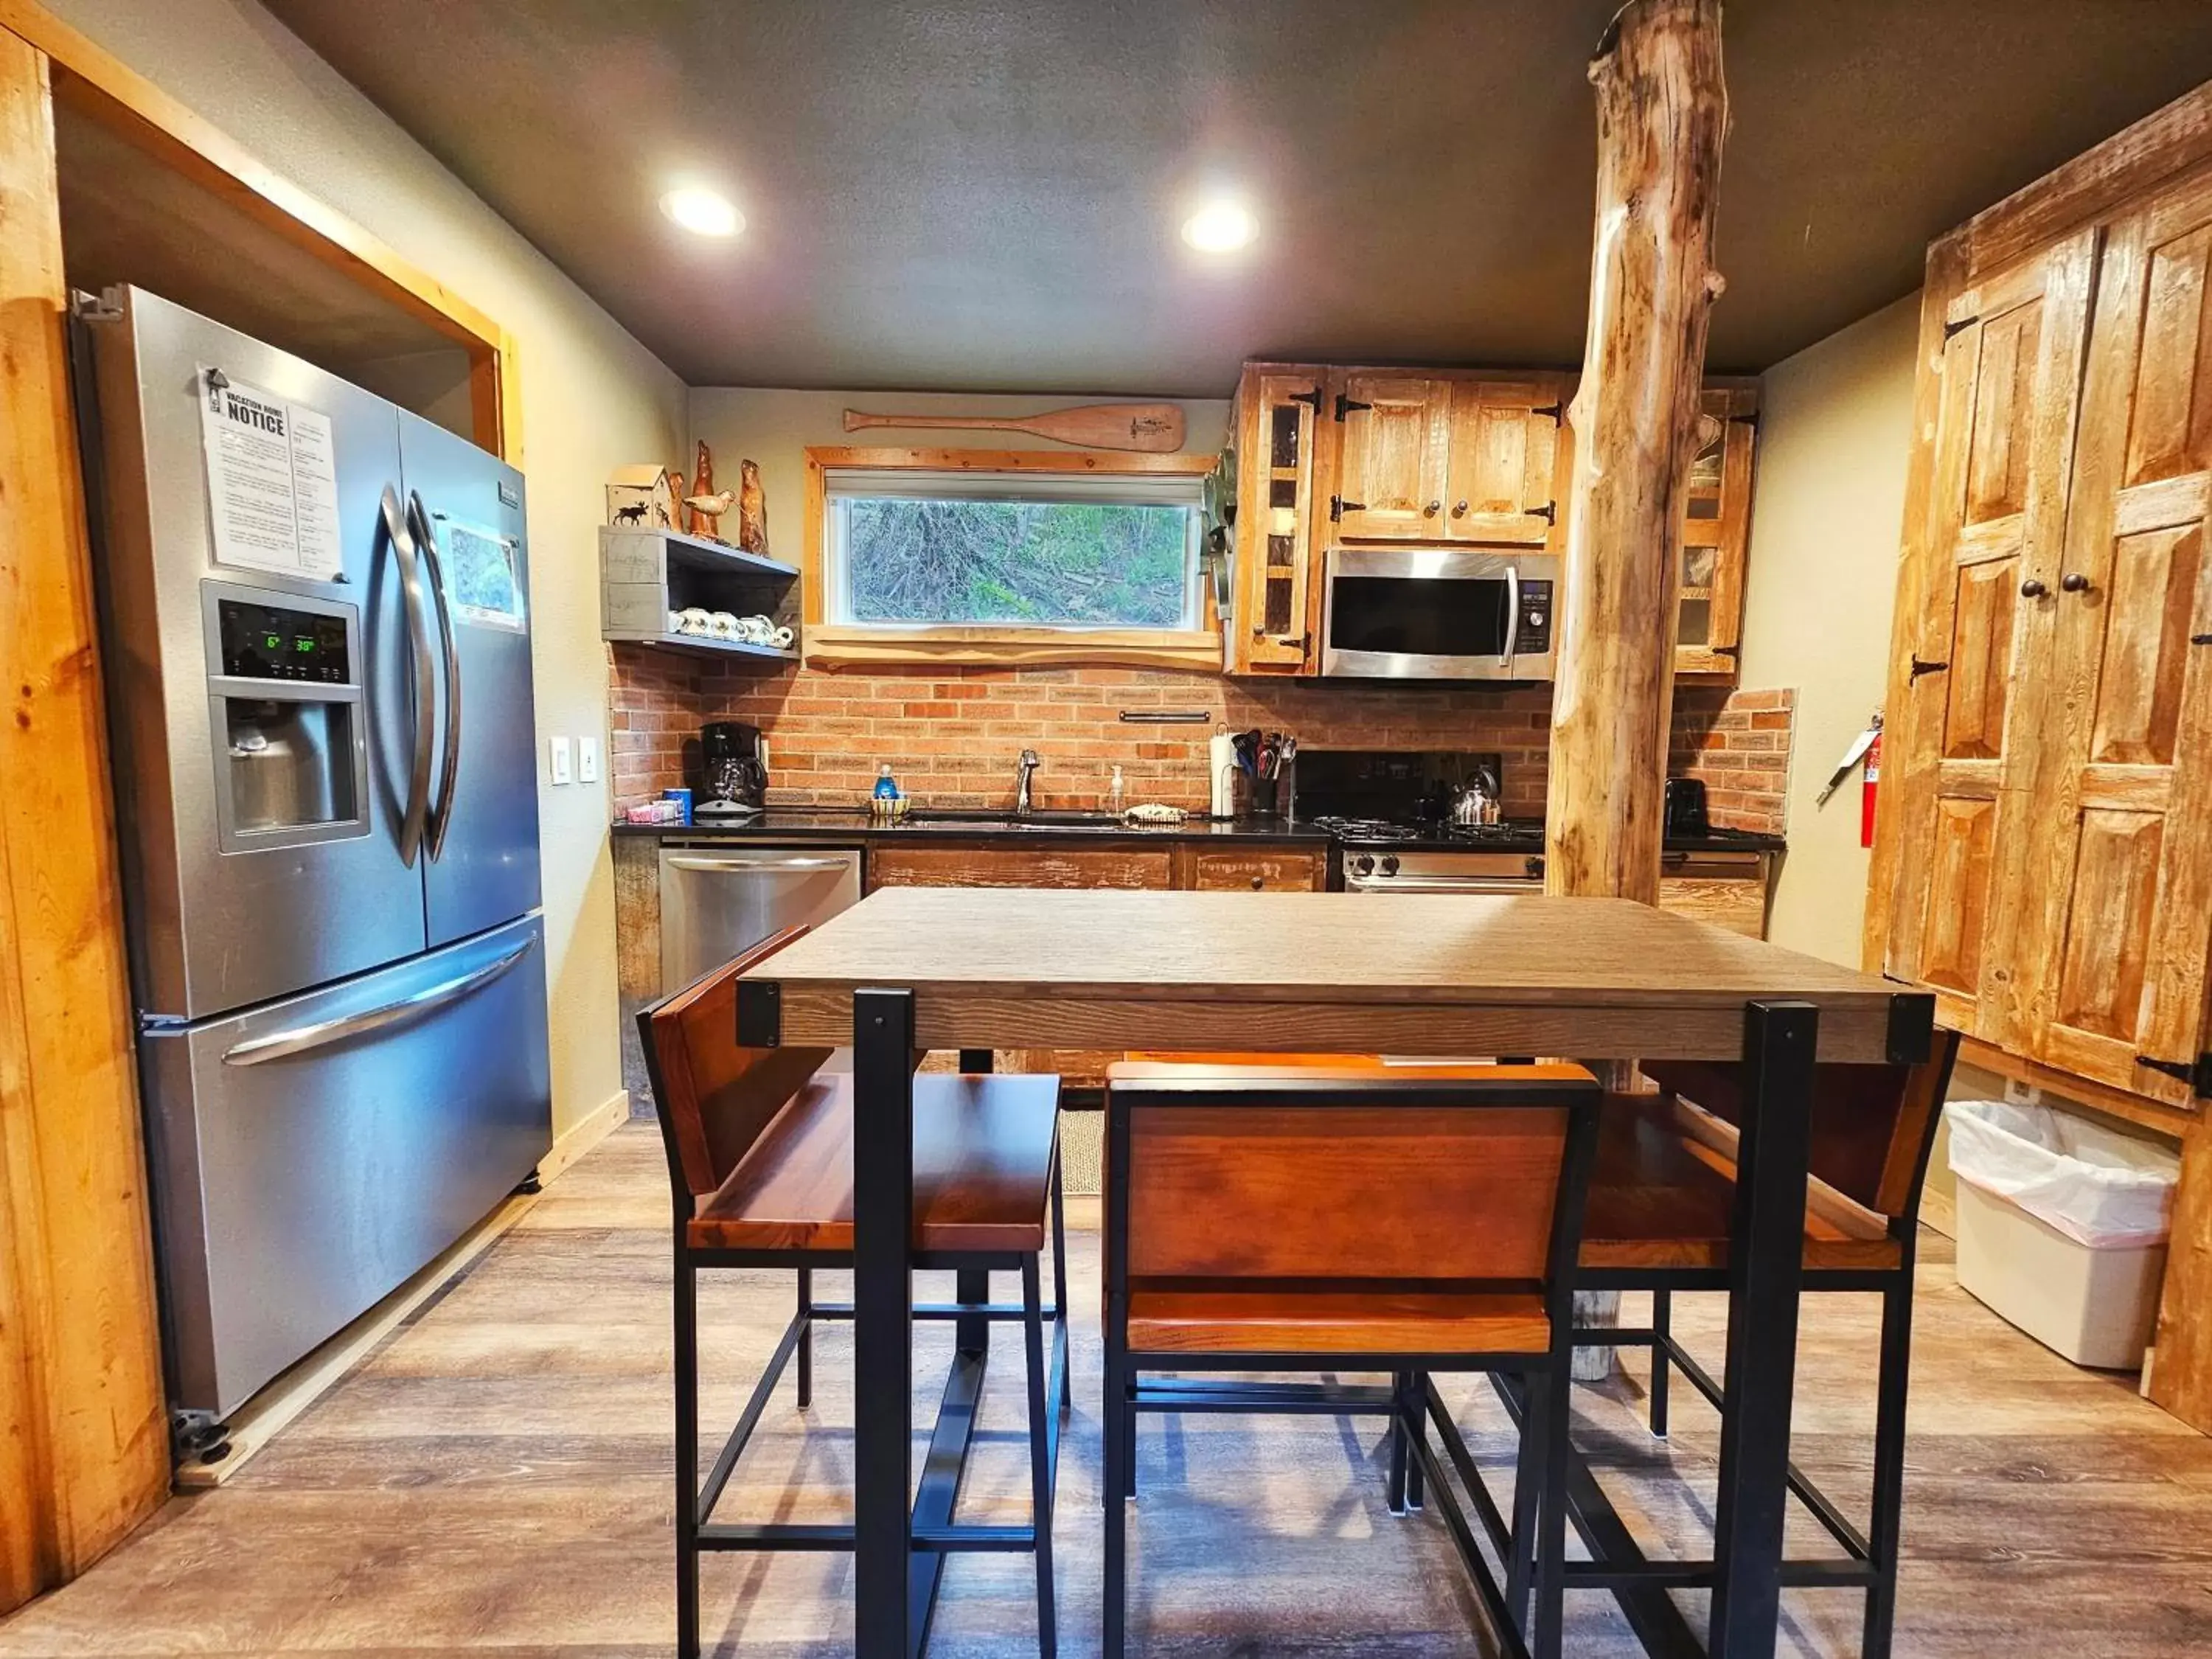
[[1512, 615], [412, 824], [441, 815]]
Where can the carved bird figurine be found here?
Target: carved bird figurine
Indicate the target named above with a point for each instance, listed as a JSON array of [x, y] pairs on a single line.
[[709, 509]]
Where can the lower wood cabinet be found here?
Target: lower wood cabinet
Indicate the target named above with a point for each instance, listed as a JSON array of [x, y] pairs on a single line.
[[1728, 889], [1161, 866]]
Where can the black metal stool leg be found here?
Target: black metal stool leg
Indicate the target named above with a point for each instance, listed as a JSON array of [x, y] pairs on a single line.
[[1041, 1438], [1552, 1516], [686, 1455], [1888, 1499], [1060, 1275], [806, 1338], [1663, 1324], [1411, 1409], [1399, 1450], [1118, 1481], [1528, 1492]]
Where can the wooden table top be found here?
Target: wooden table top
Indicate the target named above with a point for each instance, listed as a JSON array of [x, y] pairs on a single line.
[[1395, 973]]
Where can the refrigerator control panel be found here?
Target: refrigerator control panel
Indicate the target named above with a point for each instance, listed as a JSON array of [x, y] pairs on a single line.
[[275, 642]]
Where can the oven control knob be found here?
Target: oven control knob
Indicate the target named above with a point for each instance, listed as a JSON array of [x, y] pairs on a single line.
[[1362, 866], [1389, 867], [1535, 619], [1534, 867]]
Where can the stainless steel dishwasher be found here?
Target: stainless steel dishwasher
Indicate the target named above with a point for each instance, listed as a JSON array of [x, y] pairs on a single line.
[[717, 897]]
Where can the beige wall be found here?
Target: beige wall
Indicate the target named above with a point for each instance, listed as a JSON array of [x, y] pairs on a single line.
[[1835, 426], [592, 399], [775, 428]]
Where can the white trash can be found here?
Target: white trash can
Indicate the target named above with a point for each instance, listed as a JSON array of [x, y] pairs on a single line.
[[2062, 1227]]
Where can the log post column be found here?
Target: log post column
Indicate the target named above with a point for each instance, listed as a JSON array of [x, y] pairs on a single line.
[[1661, 115]]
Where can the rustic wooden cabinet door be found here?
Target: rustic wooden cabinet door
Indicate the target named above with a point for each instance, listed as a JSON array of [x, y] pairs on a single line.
[[2120, 896], [1716, 535], [1503, 437], [1965, 736], [1393, 461], [1279, 429]]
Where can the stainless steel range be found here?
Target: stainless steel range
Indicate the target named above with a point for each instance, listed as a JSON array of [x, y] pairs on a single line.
[[1427, 870]]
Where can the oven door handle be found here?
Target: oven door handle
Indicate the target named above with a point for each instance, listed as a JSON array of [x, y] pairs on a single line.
[[1443, 884], [1512, 614]]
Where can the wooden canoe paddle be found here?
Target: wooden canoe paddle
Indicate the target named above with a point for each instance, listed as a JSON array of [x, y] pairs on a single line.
[[1154, 427]]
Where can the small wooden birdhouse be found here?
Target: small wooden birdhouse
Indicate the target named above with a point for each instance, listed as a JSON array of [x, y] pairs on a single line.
[[638, 498]]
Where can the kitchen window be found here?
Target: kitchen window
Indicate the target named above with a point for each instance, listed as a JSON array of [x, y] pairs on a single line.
[[996, 555]]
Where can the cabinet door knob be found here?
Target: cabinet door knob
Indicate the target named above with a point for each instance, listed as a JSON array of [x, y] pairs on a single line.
[[1459, 509], [2032, 589], [1258, 882], [1432, 509], [2075, 582]]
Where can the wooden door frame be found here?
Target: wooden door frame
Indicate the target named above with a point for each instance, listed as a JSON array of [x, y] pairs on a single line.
[[87, 1456]]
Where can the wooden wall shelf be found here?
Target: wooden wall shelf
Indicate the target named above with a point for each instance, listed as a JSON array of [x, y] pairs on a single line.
[[707, 647]]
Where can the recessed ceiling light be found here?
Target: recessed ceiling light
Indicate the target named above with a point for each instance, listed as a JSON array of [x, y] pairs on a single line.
[[702, 211], [1219, 227]]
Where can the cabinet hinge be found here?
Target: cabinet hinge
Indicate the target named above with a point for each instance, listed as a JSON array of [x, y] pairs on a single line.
[[1338, 507], [1313, 398], [2200, 638], [1557, 411], [2197, 1073], [1920, 667], [1964, 323], [1345, 406], [1549, 512]]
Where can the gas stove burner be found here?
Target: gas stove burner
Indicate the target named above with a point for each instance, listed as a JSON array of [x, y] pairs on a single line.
[[1399, 831], [1372, 830]]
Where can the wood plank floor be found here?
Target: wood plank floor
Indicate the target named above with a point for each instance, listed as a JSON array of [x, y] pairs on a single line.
[[495, 1479]]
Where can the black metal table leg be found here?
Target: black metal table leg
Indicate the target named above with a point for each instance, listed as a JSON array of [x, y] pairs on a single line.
[[882, 1224], [1766, 1249]]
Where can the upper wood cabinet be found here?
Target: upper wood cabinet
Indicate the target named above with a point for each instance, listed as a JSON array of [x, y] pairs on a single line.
[[1279, 427], [2044, 860], [1717, 533], [1467, 457], [1395, 442]]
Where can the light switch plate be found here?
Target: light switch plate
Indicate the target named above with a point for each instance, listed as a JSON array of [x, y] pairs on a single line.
[[558, 760], [587, 760]]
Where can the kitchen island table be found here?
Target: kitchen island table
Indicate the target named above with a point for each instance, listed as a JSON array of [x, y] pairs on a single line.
[[910, 969]]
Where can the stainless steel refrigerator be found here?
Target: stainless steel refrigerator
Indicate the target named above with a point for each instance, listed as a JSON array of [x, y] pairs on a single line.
[[316, 618]]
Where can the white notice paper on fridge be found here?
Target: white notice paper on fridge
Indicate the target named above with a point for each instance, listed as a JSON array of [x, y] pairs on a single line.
[[272, 480]]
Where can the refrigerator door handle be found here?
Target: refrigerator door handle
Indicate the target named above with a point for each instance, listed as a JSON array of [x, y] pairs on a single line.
[[303, 1039], [413, 826], [441, 815]]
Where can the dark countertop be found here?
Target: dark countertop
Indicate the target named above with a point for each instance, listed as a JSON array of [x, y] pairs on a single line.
[[852, 824]]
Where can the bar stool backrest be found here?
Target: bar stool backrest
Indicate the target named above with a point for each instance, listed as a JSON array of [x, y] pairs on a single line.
[[1873, 1126], [1312, 1175], [714, 1097]]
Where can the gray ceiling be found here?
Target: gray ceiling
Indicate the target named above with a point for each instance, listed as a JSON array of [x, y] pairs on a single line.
[[982, 195]]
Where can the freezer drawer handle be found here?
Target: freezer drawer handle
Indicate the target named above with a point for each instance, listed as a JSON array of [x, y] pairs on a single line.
[[425, 685], [441, 815], [779, 865], [302, 1038]]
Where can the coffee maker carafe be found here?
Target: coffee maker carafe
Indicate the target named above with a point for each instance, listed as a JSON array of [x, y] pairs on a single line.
[[734, 762]]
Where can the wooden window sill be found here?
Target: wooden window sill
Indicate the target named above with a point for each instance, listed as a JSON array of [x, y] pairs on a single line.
[[832, 645]]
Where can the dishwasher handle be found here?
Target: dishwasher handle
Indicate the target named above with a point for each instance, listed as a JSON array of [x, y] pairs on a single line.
[[774, 866]]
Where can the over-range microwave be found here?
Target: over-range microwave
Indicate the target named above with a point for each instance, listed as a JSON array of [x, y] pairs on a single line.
[[1438, 613]]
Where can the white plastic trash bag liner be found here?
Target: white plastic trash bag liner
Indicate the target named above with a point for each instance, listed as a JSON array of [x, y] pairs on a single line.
[[2100, 1187]]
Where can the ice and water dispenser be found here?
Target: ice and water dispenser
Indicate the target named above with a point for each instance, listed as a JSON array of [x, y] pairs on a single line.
[[285, 705]]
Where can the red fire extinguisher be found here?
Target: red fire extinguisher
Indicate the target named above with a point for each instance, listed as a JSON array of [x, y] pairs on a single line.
[[1870, 786]]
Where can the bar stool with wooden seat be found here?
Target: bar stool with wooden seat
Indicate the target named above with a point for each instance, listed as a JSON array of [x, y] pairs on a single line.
[[760, 1160], [1305, 1218], [1661, 1205]]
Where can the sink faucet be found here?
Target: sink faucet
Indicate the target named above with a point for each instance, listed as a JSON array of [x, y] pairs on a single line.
[[1028, 764]]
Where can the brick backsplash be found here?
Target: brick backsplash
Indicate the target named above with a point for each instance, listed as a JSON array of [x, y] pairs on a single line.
[[952, 734]]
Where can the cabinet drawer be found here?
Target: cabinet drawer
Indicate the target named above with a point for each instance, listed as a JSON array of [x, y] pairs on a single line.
[[952, 865], [1256, 872], [1736, 903]]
